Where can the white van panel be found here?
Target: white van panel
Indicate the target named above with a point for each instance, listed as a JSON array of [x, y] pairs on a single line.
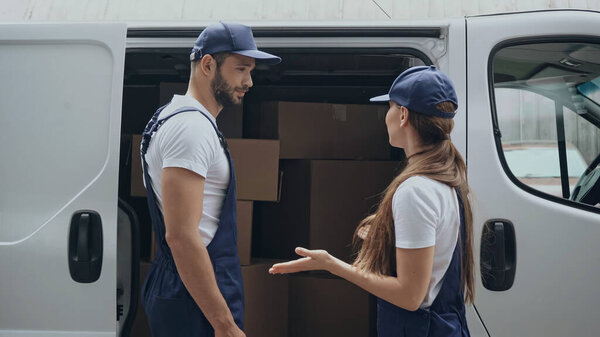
[[555, 291], [60, 103]]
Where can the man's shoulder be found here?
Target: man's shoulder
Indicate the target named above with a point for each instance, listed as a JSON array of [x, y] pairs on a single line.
[[192, 118]]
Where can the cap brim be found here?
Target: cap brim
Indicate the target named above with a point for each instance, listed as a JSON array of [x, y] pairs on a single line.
[[382, 98], [259, 56]]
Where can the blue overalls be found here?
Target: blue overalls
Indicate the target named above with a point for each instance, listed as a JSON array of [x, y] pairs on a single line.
[[171, 310], [445, 317]]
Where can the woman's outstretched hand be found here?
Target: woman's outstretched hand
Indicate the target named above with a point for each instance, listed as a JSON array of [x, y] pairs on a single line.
[[312, 260]]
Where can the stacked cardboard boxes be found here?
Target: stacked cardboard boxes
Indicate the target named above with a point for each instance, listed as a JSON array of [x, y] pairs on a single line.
[[322, 130], [335, 166], [322, 202]]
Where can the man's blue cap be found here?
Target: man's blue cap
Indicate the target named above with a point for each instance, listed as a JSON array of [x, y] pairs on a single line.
[[420, 89], [230, 37]]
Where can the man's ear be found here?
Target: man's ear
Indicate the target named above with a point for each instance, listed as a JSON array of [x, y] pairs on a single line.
[[207, 64]]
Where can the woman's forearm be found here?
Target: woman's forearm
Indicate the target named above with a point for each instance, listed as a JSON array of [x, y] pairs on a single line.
[[395, 290]]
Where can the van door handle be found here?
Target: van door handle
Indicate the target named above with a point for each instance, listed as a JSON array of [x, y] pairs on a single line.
[[498, 255], [85, 246]]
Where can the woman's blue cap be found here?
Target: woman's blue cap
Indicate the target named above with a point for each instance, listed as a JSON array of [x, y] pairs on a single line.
[[420, 89], [230, 37]]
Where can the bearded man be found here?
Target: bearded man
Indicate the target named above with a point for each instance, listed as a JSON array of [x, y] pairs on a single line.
[[194, 287]]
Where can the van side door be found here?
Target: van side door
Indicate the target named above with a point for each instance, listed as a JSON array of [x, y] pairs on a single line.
[[533, 143], [60, 109]]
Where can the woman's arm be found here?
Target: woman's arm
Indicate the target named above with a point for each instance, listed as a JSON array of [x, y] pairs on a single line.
[[407, 290]]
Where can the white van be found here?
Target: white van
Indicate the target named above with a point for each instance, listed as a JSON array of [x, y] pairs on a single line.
[[67, 251]]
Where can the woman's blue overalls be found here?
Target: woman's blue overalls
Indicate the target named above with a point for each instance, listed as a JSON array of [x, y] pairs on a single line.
[[445, 317], [171, 310]]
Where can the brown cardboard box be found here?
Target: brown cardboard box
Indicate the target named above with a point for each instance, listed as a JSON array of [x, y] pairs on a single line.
[[325, 307], [140, 327], [266, 301], [256, 167], [229, 120], [322, 202], [322, 130], [244, 226]]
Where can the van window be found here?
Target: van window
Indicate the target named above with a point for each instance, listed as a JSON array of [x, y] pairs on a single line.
[[548, 118]]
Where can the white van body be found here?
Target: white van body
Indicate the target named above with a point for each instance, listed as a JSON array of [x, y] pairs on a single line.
[[61, 88]]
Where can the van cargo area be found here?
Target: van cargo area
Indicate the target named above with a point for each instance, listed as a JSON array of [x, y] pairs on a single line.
[[304, 144]]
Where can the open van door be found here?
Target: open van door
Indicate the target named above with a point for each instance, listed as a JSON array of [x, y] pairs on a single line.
[[533, 145], [60, 109]]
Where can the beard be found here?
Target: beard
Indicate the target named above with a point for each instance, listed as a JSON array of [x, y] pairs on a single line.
[[223, 92]]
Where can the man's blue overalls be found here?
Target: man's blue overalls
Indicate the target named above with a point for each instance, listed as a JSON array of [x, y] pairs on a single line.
[[171, 310], [445, 317]]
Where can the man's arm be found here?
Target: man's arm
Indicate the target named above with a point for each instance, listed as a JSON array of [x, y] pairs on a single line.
[[182, 195]]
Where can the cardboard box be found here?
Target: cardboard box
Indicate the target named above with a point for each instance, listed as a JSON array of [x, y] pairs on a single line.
[[256, 167], [322, 130], [256, 164], [244, 227], [140, 327], [266, 301], [229, 121], [322, 202], [325, 307]]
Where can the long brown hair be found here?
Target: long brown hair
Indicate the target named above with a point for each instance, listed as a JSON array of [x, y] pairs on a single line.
[[441, 162]]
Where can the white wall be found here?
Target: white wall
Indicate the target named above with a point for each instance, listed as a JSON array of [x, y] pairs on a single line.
[[253, 10]]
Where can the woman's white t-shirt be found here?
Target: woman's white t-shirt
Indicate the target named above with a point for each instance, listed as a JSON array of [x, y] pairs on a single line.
[[426, 214]]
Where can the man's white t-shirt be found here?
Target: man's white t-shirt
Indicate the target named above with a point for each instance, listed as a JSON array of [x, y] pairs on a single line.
[[426, 213], [188, 140]]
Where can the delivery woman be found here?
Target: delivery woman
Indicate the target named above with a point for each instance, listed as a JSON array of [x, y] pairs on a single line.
[[416, 252]]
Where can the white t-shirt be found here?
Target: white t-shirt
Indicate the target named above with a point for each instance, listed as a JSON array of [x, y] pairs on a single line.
[[188, 140], [426, 214]]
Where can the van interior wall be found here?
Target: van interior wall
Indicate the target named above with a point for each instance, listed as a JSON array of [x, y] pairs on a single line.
[[339, 77]]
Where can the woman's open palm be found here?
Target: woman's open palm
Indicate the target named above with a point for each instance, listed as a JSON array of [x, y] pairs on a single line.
[[312, 260]]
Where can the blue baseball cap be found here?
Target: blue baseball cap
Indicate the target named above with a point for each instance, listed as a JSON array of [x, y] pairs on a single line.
[[420, 89], [230, 37]]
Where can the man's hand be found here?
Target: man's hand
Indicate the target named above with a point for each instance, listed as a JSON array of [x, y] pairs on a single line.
[[233, 331]]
